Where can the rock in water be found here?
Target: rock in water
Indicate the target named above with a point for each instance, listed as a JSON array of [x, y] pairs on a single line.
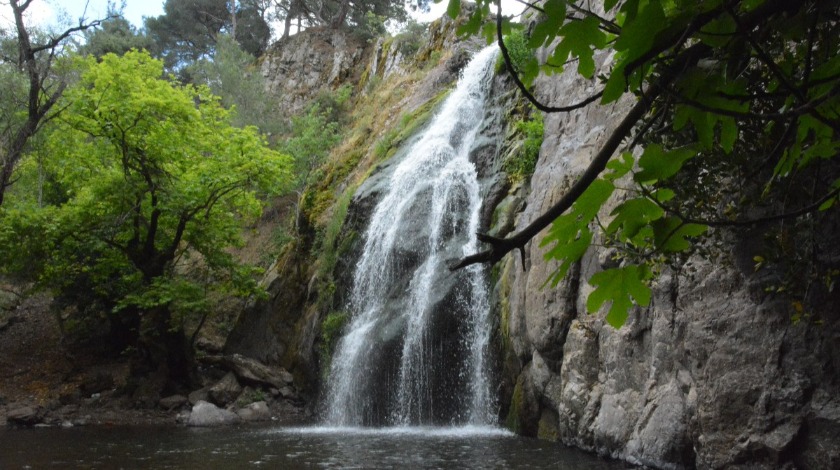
[[24, 416], [257, 411], [206, 414]]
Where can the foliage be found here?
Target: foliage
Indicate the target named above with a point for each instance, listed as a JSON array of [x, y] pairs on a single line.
[[155, 186], [315, 133], [231, 74], [190, 29], [114, 35], [331, 328], [341, 13], [743, 99], [522, 164], [521, 56], [411, 37]]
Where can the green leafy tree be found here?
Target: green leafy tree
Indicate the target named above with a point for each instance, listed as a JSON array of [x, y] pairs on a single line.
[[744, 99], [156, 186], [313, 136]]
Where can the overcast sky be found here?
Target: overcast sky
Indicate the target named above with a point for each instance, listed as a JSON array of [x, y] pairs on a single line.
[[52, 12]]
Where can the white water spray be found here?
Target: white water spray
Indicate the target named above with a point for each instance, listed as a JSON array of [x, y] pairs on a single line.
[[387, 367]]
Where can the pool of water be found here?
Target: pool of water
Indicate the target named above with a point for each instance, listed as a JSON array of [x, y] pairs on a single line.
[[285, 448]]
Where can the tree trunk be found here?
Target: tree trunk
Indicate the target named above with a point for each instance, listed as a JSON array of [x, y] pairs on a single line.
[[164, 353], [233, 19], [341, 16]]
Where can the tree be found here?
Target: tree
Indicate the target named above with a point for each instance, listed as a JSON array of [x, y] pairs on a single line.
[[341, 13], [233, 75], [115, 35], [36, 60], [745, 99], [189, 29], [156, 187]]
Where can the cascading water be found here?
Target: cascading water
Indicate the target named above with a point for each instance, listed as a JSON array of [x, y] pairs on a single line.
[[416, 349]]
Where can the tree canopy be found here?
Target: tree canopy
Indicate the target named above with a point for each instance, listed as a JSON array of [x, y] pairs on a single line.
[[735, 119], [190, 29], [143, 187]]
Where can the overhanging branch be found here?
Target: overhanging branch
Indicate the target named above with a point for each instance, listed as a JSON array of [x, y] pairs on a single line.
[[499, 247]]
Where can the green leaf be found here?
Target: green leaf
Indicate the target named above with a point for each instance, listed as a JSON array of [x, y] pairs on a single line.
[[621, 286], [472, 26], [632, 215], [728, 133], [590, 202], [619, 167], [454, 8], [570, 233], [658, 165], [579, 37], [616, 84], [670, 234]]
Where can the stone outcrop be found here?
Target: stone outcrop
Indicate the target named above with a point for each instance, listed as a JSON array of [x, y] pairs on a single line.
[[297, 68], [712, 375]]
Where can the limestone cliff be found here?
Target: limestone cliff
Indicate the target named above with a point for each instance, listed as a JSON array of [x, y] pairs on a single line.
[[713, 375]]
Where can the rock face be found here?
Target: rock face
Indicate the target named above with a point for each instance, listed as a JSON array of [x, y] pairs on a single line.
[[320, 59], [713, 375]]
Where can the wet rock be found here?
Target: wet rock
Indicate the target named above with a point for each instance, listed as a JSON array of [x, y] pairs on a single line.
[[225, 391], [257, 411], [202, 394], [8, 302], [172, 402], [206, 414], [252, 370], [24, 416]]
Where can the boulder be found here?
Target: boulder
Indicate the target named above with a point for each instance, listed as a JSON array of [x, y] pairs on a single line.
[[257, 411], [252, 370], [24, 416], [173, 401], [225, 391], [202, 394], [206, 414]]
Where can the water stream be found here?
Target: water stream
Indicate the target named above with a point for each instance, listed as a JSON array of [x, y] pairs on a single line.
[[415, 351]]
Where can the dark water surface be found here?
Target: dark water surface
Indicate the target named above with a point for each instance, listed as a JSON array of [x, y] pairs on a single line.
[[284, 448]]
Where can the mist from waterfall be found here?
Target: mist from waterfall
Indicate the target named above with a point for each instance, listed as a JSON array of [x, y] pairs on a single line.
[[415, 351]]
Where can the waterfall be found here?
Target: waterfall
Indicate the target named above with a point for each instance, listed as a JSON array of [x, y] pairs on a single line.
[[415, 350]]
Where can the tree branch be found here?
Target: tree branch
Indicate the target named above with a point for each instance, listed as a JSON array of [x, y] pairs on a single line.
[[515, 75], [499, 247]]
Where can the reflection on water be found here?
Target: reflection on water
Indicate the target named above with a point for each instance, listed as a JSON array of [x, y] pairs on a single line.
[[287, 448]]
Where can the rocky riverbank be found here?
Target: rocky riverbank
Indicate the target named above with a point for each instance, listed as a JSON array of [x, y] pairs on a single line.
[[46, 381]]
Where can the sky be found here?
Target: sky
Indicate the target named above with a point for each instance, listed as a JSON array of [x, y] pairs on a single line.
[[52, 12]]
